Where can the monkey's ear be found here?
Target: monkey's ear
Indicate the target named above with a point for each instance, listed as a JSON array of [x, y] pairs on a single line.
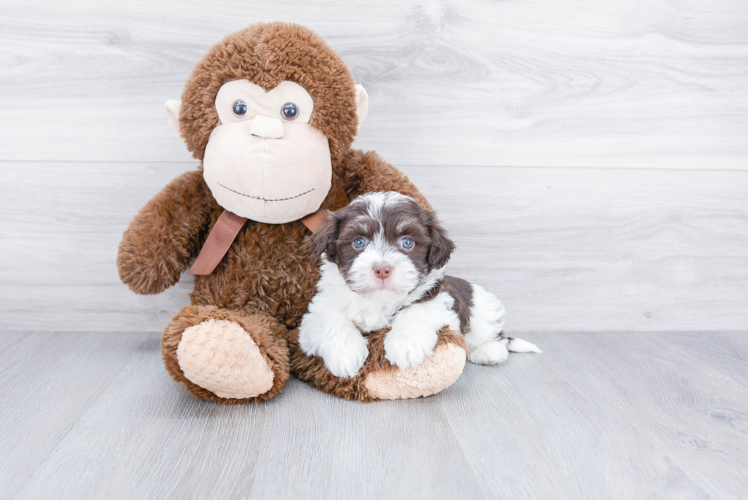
[[172, 108], [362, 104]]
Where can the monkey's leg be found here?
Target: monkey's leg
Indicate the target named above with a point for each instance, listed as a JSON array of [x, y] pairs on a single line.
[[378, 379], [227, 356]]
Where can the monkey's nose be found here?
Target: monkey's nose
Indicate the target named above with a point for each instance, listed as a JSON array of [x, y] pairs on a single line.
[[266, 127]]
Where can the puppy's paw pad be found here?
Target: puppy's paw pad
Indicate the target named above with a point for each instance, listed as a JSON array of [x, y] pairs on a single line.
[[490, 353]]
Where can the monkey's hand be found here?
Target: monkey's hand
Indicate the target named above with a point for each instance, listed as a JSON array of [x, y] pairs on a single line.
[[164, 237]]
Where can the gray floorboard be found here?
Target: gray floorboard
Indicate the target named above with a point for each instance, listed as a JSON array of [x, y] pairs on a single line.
[[47, 383], [603, 415], [725, 352]]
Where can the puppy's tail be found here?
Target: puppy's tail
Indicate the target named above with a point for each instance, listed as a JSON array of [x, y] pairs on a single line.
[[519, 345]]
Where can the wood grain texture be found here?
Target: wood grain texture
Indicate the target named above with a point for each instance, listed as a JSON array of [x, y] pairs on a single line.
[[47, 382], [469, 82], [605, 415], [722, 351], [565, 249]]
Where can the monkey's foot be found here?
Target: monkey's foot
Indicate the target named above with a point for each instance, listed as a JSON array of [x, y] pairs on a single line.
[[226, 356], [434, 375], [379, 379], [218, 355]]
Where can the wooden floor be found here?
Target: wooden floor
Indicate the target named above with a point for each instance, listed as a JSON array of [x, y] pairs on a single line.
[[597, 415], [590, 158]]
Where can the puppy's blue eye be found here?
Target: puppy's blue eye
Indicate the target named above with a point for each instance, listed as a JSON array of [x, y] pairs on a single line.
[[240, 108], [289, 111], [359, 243], [407, 243]]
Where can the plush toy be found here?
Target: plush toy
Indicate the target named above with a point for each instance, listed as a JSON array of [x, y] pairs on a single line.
[[271, 112]]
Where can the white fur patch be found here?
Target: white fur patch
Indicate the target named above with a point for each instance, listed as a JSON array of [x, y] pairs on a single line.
[[519, 345], [486, 319], [376, 201]]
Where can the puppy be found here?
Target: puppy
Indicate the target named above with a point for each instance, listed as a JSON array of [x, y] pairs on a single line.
[[383, 261]]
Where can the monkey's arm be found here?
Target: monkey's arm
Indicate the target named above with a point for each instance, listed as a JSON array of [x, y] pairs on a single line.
[[164, 237], [364, 172]]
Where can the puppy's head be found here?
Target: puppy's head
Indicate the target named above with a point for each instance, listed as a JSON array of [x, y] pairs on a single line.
[[384, 244]]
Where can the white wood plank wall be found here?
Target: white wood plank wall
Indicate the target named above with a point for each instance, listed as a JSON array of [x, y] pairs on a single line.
[[589, 157]]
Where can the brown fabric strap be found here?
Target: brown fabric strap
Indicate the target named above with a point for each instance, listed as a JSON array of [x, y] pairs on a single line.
[[219, 240], [224, 233]]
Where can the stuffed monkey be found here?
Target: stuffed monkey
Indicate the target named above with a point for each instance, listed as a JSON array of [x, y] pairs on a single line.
[[271, 112]]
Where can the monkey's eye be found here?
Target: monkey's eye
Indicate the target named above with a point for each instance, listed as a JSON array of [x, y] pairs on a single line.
[[359, 243], [240, 108], [407, 242], [289, 111]]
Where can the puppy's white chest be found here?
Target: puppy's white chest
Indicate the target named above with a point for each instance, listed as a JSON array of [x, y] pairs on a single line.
[[374, 318]]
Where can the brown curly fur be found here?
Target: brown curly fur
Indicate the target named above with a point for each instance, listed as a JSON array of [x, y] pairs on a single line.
[[268, 276]]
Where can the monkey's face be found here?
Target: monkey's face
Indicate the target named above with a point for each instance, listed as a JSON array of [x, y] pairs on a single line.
[[264, 161], [269, 110]]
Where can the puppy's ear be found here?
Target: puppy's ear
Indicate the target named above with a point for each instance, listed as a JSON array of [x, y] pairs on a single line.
[[441, 247], [326, 237]]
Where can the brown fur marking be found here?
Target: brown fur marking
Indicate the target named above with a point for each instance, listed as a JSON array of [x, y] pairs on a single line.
[[462, 291]]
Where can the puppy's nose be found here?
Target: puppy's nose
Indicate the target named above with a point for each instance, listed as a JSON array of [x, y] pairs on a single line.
[[382, 271], [266, 127]]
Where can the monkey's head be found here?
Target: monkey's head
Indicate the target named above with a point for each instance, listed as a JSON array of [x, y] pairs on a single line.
[[269, 110]]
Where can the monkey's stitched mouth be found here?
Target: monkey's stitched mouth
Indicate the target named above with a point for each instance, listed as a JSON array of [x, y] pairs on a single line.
[[264, 199]]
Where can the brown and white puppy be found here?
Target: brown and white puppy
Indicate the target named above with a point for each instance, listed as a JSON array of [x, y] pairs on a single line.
[[383, 261]]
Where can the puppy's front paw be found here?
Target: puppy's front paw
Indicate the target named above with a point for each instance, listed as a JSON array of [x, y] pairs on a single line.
[[346, 356], [409, 349]]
